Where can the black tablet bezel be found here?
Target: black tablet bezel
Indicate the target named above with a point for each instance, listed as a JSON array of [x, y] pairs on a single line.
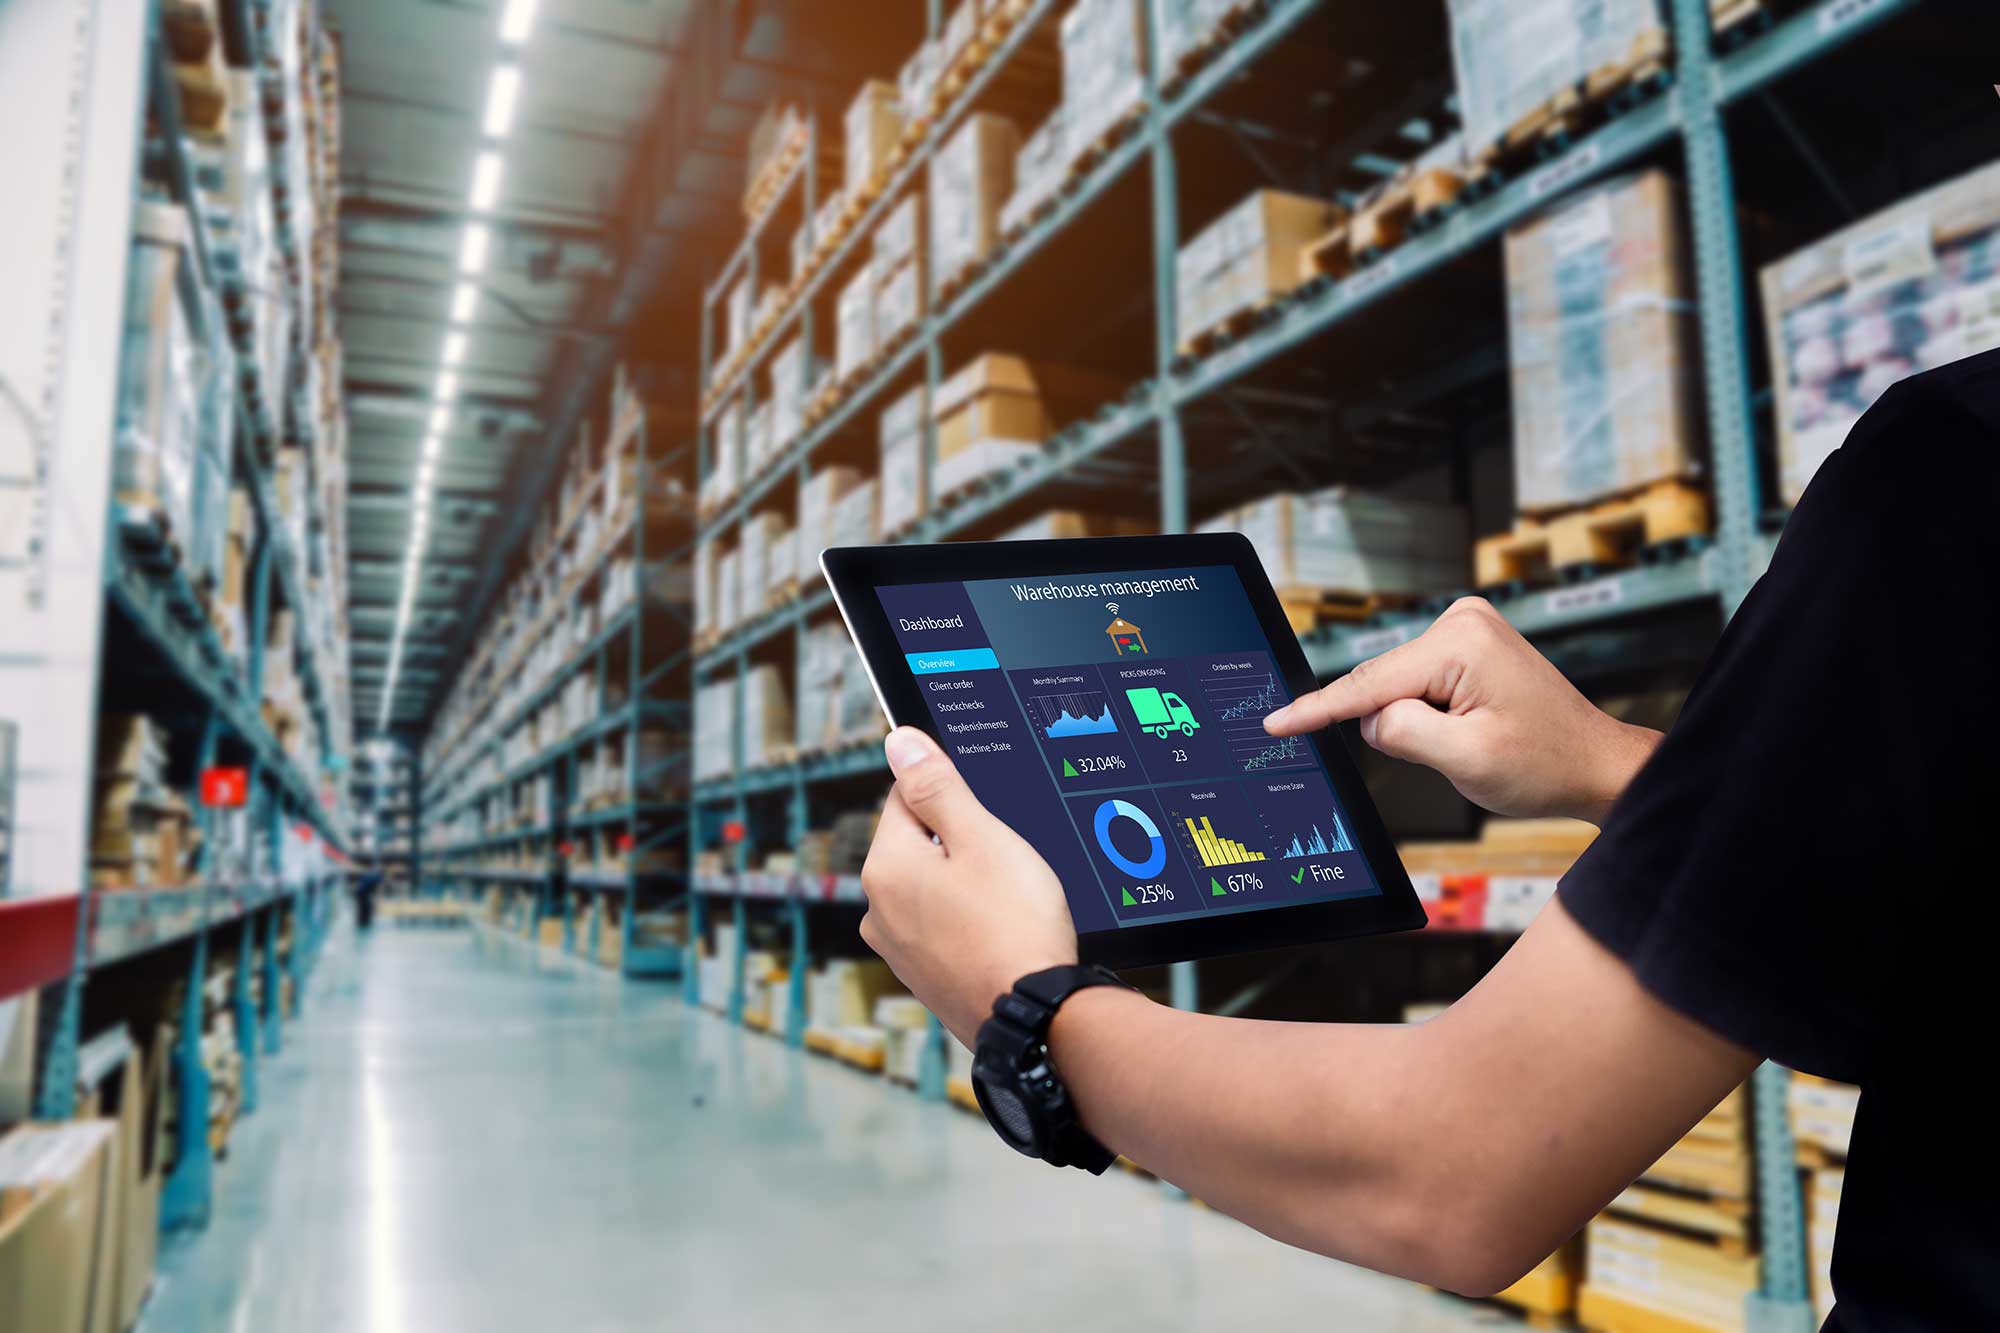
[[854, 572]]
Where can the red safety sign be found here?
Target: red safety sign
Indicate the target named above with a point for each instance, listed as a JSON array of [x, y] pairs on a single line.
[[733, 832], [225, 788], [626, 842]]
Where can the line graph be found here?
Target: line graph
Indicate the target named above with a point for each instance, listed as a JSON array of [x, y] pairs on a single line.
[[1080, 713], [1239, 703]]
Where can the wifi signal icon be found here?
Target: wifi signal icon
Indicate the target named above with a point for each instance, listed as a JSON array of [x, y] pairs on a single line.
[[1112, 607]]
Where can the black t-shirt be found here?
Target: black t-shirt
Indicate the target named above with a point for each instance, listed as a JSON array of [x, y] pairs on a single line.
[[1806, 866]]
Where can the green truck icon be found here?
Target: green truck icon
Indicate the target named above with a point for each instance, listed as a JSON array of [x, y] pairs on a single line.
[[1161, 712]]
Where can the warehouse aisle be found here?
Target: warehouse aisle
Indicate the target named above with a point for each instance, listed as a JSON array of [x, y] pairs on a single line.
[[462, 1136]]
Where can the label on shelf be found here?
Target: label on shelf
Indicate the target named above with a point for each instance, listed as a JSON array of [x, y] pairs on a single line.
[[1571, 168], [1840, 13], [1585, 597], [1378, 641]]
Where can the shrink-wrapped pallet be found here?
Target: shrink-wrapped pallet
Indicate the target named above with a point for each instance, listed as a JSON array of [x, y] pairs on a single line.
[[1511, 57], [761, 532], [788, 394], [899, 304], [1104, 69], [767, 716], [903, 465], [1186, 25], [1601, 346], [1353, 541], [1911, 288], [818, 499], [1039, 168], [854, 322], [970, 178], [163, 374], [714, 730]]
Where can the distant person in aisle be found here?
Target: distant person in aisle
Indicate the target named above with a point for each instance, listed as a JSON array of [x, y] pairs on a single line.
[[1799, 870], [365, 888]]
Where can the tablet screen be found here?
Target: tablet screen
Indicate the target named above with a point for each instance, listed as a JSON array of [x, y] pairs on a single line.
[[1116, 722]]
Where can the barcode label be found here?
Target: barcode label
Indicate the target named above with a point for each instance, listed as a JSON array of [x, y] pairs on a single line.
[[1573, 167], [1370, 280], [1584, 597], [1843, 12]]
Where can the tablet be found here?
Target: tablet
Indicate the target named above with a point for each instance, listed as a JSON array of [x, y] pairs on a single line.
[[1105, 697]]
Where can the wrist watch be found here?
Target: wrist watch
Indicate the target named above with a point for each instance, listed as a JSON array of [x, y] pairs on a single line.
[[1018, 1088]]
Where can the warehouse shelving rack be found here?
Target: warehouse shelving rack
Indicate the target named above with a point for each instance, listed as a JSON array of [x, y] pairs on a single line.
[[1717, 574], [637, 827], [77, 570]]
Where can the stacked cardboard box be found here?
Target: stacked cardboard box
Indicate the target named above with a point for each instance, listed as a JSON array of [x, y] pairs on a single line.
[[1353, 542], [874, 121], [836, 703], [1822, 1220], [898, 271], [1245, 258], [971, 176], [142, 833], [1501, 880], [842, 993], [917, 80], [1062, 524], [1601, 346], [1513, 57], [906, 1030], [1104, 69], [1186, 25], [904, 461], [789, 373], [1911, 288]]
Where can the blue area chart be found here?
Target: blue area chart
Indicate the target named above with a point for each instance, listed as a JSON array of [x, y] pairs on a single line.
[[1156, 846], [1082, 713], [1315, 843]]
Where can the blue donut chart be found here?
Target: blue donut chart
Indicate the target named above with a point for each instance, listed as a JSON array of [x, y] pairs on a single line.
[[1156, 858]]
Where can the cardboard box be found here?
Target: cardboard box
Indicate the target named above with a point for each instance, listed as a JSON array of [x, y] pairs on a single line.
[[1905, 290], [1185, 25], [918, 78], [1354, 541], [874, 122], [1601, 346], [1246, 257], [788, 394], [971, 176], [817, 498], [59, 1242], [1062, 524], [904, 460]]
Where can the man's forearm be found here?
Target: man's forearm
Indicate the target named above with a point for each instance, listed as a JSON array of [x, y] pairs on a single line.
[[1458, 1152], [1311, 1133]]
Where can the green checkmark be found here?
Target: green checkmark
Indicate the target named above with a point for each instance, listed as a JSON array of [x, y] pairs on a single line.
[[1299, 875]]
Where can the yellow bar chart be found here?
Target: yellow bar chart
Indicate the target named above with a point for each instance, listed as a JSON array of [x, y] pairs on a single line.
[[1216, 850]]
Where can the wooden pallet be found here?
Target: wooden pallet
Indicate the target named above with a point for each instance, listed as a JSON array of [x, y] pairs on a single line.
[[1608, 535], [1735, 22], [1208, 341], [1309, 608], [1409, 203], [1099, 148]]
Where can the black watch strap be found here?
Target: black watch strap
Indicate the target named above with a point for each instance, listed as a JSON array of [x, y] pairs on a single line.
[[1033, 1113]]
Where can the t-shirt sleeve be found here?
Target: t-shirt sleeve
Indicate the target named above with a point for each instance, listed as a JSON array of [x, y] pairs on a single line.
[[1762, 870]]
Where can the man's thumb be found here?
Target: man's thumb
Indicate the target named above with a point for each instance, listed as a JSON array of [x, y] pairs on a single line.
[[929, 783]]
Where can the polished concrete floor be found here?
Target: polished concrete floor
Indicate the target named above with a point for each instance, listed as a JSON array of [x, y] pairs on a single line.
[[463, 1134]]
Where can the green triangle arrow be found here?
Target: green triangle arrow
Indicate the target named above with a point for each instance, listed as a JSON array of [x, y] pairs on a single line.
[[1215, 888], [1069, 769], [1129, 900]]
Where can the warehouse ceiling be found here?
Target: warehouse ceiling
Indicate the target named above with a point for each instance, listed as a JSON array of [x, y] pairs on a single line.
[[621, 185]]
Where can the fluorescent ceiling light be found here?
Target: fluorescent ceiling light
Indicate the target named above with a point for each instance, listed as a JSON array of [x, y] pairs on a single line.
[[447, 386], [472, 250], [516, 20], [440, 419], [433, 446], [454, 348], [424, 476], [501, 95], [463, 301], [485, 181]]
